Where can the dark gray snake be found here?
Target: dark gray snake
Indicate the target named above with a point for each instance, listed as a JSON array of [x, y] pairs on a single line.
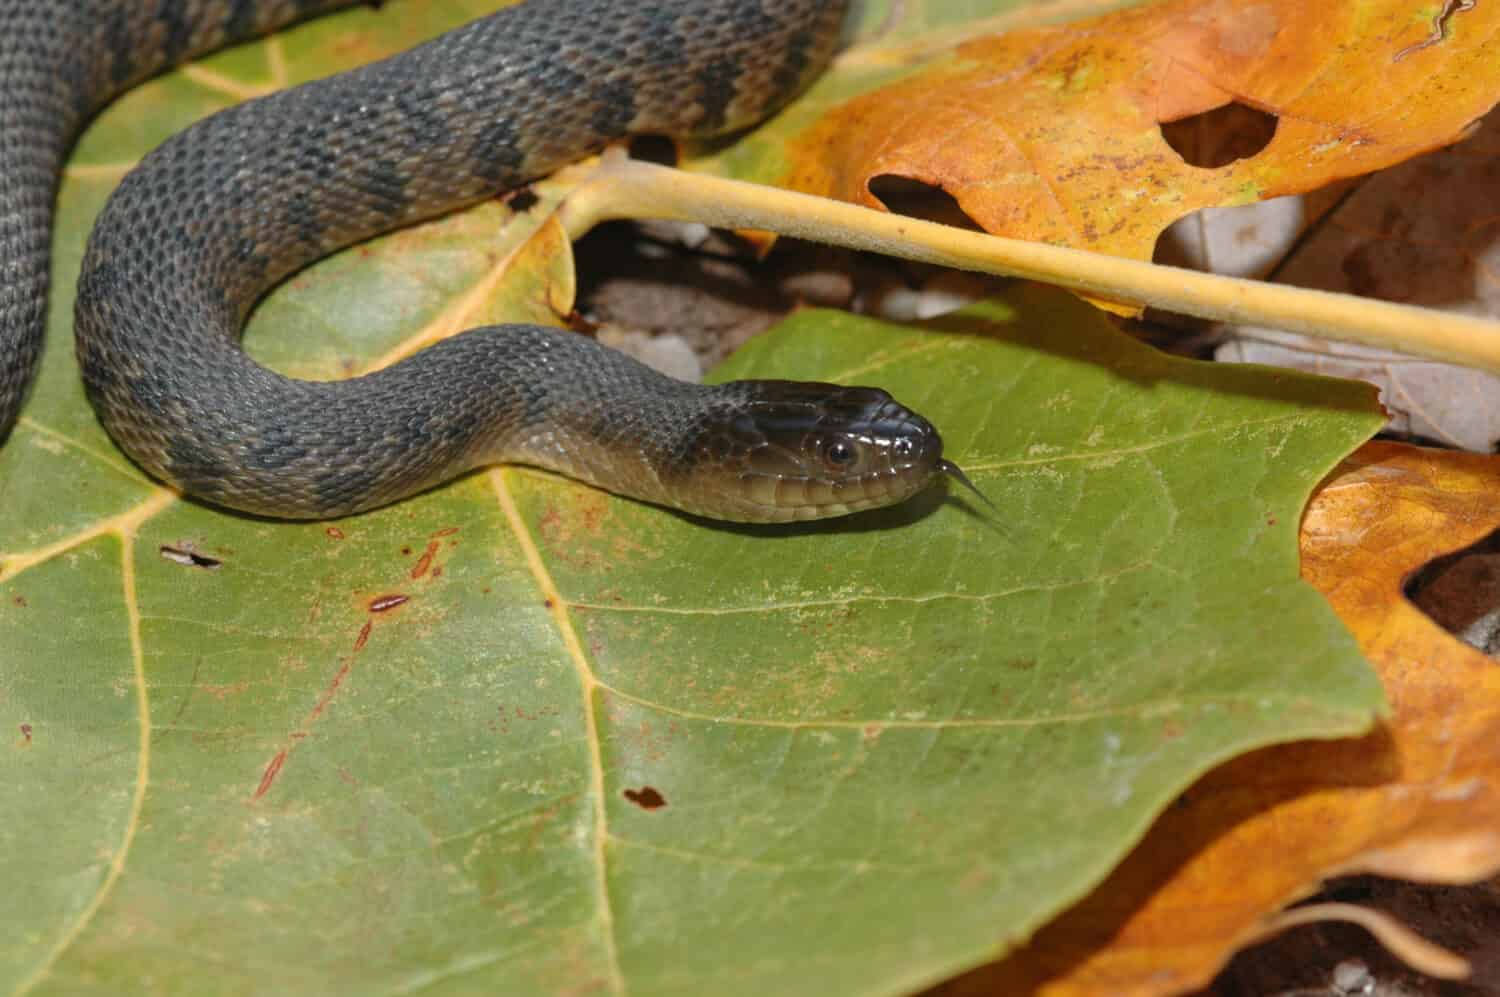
[[223, 211]]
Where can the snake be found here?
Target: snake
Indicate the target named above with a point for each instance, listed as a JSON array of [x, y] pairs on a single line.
[[223, 211]]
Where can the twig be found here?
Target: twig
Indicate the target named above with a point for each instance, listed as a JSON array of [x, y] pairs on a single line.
[[620, 187]]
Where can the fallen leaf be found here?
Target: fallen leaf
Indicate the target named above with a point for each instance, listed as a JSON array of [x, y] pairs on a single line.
[[1054, 133], [395, 753], [1417, 799], [1411, 234]]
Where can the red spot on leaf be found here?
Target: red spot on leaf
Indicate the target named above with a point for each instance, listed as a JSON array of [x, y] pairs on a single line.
[[647, 798], [297, 736], [330, 692], [446, 531], [334, 533], [425, 561], [269, 775]]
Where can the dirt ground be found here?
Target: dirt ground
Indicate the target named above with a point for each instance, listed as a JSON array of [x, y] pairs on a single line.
[[1340, 960]]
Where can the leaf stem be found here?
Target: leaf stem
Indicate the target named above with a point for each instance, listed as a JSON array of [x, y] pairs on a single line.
[[620, 187]]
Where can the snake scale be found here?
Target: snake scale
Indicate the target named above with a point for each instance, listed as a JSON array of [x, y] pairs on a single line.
[[218, 214]]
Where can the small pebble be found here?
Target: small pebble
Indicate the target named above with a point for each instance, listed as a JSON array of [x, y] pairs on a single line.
[[949, 291], [1351, 978], [940, 294], [667, 353]]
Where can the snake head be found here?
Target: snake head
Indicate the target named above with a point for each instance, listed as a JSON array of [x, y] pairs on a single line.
[[779, 451]]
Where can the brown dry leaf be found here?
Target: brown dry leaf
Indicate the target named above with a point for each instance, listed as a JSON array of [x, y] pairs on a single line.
[[1417, 799], [1054, 134], [1424, 233]]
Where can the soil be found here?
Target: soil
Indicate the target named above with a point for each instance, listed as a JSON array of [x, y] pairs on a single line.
[[1340, 960]]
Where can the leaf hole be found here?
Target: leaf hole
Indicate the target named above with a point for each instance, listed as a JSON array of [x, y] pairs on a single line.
[[520, 200], [1221, 136], [1460, 592], [915, 199], [188, 557], [653, 149]]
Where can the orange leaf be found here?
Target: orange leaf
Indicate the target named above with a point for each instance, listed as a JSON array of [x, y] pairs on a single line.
[[1054, 134], [1417, 799]]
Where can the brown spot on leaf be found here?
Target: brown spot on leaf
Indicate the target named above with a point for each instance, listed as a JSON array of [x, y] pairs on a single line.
[[385, 603], [364, 635], [647, 798], [222, 692], [26, 733], [19, 600], [334, 533]]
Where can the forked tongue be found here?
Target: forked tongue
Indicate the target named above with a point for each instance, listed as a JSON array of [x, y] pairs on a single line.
[[955, 472]]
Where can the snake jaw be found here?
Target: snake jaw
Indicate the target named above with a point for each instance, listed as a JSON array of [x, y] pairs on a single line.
[[781, 451]]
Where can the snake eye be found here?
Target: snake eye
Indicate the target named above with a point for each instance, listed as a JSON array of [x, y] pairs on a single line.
[[840, 453]]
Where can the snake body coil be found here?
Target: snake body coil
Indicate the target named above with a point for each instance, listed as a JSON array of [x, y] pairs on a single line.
[[221, 212]]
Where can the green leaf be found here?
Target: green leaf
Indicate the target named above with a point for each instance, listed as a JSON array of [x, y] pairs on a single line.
[[517, 735]]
